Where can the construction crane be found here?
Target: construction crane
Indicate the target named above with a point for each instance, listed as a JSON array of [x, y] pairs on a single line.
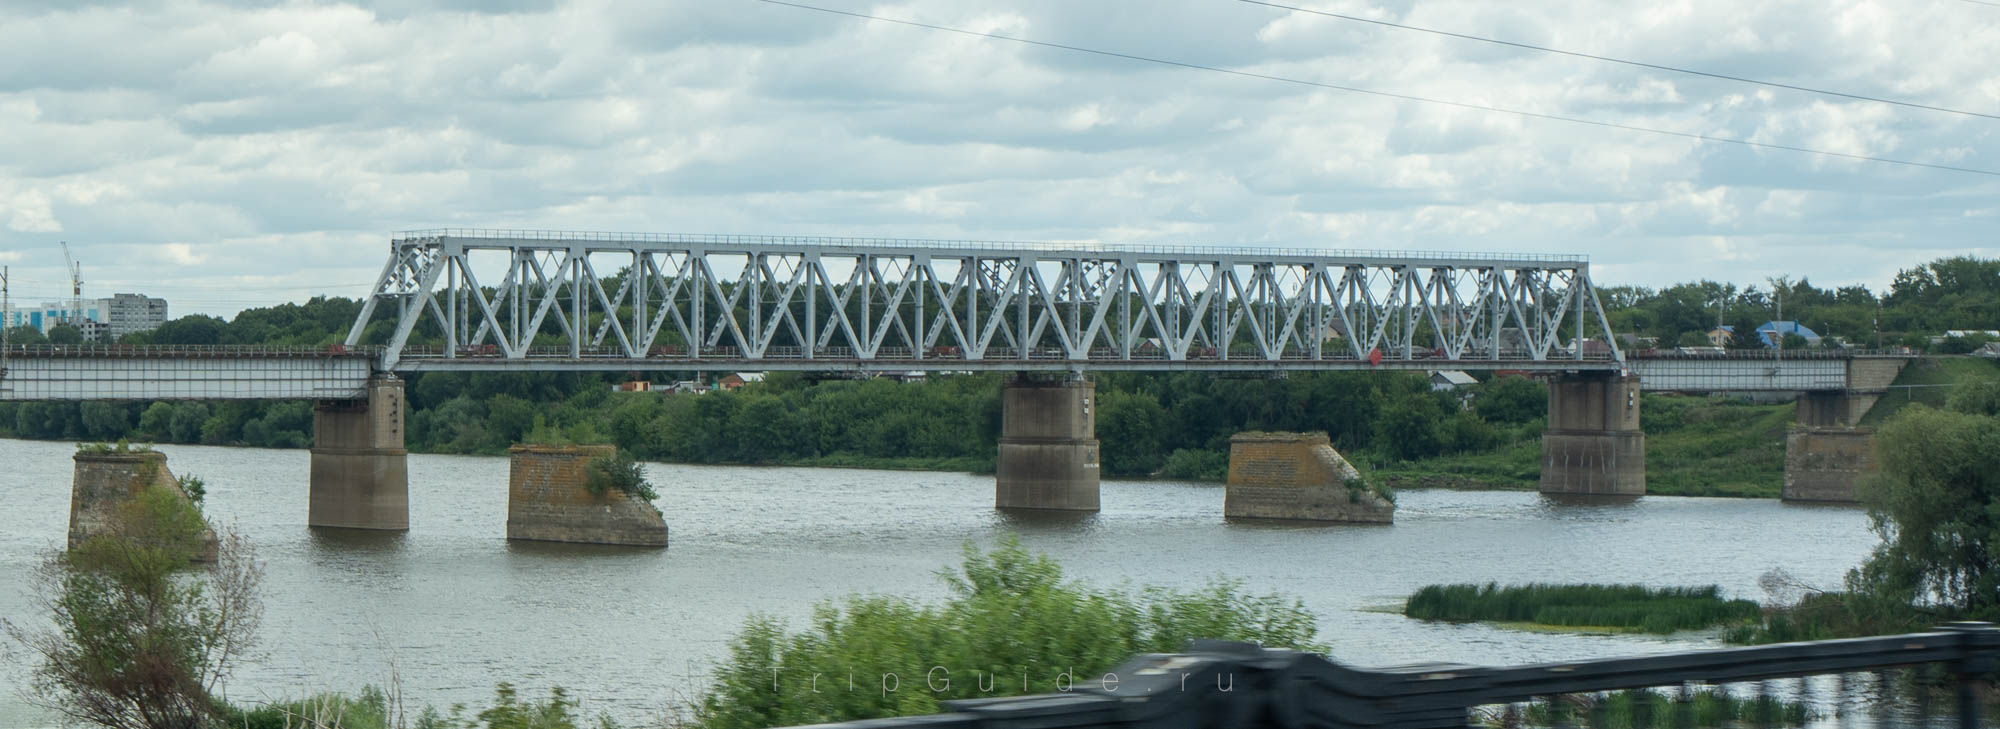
[[75, 288]]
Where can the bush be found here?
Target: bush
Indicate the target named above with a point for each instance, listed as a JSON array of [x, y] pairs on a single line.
[[121, 446], [1828, 615], [142, 632], [1932, 501], [1630, 607], [1962, 345], [1512, 399], [195, 488], [369, 710], [1361, 484], [619, 472], [511, 712], [1704, 707], [1196, 465], [1010, 619]]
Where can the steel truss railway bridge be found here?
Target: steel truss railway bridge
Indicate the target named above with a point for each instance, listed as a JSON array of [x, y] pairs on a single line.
[[491, 300]]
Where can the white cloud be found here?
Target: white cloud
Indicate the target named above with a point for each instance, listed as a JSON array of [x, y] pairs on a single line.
[[221, 142], [29, 212]]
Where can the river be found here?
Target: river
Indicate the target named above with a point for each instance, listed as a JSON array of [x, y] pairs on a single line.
[[452, 607]]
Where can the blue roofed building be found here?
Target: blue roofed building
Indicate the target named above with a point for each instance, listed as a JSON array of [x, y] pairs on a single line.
[[1772, 331]]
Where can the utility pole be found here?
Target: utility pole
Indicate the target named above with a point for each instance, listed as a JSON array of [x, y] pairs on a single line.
[[1778, 327], [1878, 322], [6, 314]]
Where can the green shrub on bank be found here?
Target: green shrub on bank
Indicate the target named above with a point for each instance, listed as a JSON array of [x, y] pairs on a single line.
[[372, 709], [367, 710], [1011, 625], [1829, 615], [1194, 464], [1631, 607], [618, 472]]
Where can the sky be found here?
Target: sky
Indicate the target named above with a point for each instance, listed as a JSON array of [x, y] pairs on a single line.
[[233, 154]]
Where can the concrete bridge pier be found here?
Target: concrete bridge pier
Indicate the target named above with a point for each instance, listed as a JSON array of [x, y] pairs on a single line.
[[360, 476], [105, 481], [1825, 454], [1592, 444], [1048, 446]]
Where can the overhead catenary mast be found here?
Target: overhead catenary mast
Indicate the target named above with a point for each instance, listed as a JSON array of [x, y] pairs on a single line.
[[6, 315]]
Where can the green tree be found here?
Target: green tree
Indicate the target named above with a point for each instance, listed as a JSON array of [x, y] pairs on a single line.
[[508, 419], [1129, 433], [105, 420], [191, 329], [26, 336], [1411, 426], [64, 334], [1962, 345], [1009, 613], [185, 427], [156, 423], [762, 430], [1976, 398], [142, 632], [1512, 399], [1933, 501]]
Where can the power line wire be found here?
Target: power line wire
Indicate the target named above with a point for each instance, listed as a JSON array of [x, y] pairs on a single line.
[[1640, 64], [1981, 2], [1386, 94]]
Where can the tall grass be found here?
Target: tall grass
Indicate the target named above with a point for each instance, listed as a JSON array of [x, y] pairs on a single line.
[[1647, 709], [1630, 607]]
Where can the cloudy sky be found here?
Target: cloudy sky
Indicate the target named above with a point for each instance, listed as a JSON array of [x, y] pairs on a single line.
[[233, 154]]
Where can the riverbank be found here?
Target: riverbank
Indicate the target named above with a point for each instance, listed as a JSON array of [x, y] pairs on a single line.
[[1694, 447]]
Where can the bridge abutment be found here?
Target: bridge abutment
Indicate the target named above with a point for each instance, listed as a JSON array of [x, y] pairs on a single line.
[[1048, 446], [1593, 444], [360, 477], [1825, 454]]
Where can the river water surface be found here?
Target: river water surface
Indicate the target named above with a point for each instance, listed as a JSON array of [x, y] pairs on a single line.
[[452, 607]]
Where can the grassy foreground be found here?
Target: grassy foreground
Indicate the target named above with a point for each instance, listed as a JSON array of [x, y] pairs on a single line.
[[1621, 607]]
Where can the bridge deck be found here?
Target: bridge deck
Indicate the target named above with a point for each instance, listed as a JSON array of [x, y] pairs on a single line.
[[184, 373], [222, 373]]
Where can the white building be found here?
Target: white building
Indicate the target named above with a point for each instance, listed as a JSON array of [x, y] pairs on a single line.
[[106, 319], [130, 313], [1442, 380]]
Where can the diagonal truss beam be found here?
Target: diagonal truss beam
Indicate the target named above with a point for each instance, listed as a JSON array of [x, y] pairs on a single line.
[[566, 300]]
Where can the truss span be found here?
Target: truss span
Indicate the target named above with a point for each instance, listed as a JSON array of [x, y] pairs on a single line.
[[505, 300]]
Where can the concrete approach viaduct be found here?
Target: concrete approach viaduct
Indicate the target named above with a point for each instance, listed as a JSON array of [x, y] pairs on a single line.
[[737, 303]]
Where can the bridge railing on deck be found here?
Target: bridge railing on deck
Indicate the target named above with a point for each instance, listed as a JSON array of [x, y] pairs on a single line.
[[1935, 679], [1767, 354], [185, 350]]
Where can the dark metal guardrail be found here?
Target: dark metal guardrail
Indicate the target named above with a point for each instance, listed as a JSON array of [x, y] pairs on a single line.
[[1880, 682]]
